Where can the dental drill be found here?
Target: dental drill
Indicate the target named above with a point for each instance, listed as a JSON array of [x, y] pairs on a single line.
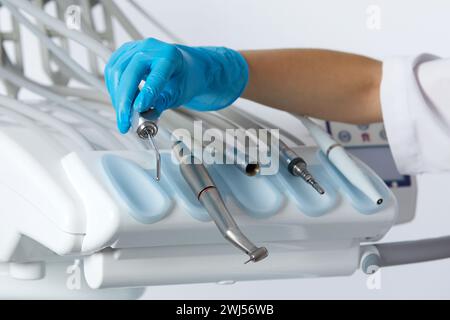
[[145, 125], [205, 190], [296, 165]]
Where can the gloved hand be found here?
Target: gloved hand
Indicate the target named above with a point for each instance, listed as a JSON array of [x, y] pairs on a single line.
[[201, 78]]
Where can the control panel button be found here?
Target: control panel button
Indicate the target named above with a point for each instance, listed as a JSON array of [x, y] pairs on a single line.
[[363, 127], [365, 137], [344, 136]]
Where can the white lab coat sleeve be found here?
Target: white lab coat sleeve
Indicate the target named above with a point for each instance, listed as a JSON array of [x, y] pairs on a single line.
[[417, 119]]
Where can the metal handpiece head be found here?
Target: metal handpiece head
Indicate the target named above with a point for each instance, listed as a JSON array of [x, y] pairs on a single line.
[[146, 123], [258, 255]]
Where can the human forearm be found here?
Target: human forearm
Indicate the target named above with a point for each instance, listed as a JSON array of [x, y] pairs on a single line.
[[319, 83], [323, 84]]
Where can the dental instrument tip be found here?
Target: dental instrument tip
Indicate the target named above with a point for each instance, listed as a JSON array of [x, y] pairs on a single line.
[[146, 127], [300, 170], [316, 186], [157, 155], [257, 255]]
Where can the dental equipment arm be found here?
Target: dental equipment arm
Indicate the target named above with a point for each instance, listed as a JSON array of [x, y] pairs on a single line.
[[62, 127], [87, 41], [102, 31], [322, 84], [80, 93], [47, 93], [156, 23], [112, 9], [41, 90], [13, 38], [376, 256], [206, 192], [57, 51], [405, 252]]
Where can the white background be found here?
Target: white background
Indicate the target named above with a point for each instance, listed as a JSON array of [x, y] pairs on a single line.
[[407, 27]]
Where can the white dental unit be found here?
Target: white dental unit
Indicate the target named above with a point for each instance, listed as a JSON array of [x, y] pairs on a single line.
[[79, 201]]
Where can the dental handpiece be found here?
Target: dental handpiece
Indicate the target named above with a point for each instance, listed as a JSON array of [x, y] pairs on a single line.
[[205, 190], [241, 159], [146, 126], [342, 161], [297, 166]]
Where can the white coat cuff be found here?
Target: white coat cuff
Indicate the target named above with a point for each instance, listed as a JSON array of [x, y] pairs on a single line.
[[399, 94]]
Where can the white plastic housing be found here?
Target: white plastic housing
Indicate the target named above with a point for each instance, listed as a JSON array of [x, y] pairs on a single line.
[[104, 206]]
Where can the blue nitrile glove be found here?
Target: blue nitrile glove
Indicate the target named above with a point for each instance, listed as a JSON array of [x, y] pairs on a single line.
[[201, 78]]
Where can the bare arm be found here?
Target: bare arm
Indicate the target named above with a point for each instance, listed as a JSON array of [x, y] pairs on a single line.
[[319, 83]]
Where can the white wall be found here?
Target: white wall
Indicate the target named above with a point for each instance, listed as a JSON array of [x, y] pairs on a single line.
[[407, 27]]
